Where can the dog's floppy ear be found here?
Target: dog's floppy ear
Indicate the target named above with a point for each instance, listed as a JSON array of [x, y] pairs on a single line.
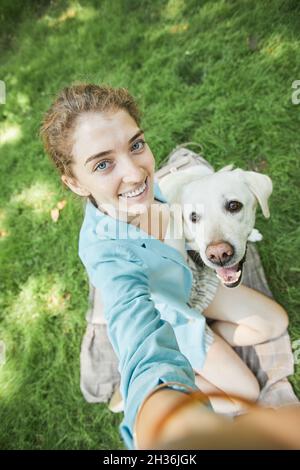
[[172, 184], [261, 186]]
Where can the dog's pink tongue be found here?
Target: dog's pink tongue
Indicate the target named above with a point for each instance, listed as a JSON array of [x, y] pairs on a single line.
[[228, 274]]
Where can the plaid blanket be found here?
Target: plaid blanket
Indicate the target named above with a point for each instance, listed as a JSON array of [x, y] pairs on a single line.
[[272, 362]]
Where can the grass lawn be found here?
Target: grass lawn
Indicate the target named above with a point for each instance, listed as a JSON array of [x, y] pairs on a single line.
[[216, 72]]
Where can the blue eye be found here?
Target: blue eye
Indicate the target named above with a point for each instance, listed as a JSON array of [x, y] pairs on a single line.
[[142, 142], [101, 166]]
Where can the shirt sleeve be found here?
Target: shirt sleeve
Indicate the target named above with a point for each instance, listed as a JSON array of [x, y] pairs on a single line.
[[145, 344]]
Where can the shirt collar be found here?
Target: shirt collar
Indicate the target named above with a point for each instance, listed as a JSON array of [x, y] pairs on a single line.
[[104, 227]]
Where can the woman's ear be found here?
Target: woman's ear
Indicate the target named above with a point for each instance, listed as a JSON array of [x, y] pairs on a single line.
[[74, 186]]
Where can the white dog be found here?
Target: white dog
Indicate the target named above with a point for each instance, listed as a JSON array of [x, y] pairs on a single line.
[[217, 216], [218, 210]]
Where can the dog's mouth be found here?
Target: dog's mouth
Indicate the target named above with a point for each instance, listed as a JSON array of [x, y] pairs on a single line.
[[232, 276]]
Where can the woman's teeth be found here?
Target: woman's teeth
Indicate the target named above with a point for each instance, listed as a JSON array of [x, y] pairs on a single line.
[[135, 193]]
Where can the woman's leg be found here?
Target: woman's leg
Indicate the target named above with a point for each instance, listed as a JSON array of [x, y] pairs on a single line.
[[245, 316], [225, 372]]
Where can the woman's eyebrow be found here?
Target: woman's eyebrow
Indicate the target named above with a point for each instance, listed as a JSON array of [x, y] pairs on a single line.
[[106, 152]]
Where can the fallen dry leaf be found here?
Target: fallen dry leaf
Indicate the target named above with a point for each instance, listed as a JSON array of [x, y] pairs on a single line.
[[179, 28], [3, 233], [55, 214], [61, 204], [53, 300]]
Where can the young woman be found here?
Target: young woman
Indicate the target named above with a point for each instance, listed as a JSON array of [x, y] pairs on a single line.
[[93, 135]]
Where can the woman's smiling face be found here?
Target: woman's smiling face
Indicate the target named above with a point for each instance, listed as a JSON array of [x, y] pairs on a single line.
[[112, 162]]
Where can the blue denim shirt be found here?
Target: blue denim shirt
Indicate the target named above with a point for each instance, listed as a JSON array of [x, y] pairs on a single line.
[[145, 287]]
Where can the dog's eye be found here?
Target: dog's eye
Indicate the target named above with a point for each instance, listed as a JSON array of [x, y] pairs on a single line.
[[233, 206], [194, 217]]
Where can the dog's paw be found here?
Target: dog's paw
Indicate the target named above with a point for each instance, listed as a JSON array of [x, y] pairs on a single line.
[[255, 236]]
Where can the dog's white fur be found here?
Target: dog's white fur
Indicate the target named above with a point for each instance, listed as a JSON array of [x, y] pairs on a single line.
[[205, 192]]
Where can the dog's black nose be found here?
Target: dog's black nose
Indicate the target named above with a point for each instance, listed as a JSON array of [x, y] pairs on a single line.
[[219, 253]]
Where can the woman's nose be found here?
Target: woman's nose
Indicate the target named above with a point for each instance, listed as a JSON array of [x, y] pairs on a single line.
[[133, 173]]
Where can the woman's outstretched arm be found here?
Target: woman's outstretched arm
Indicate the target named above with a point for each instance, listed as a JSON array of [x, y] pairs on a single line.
[[145, 344], [193, 426]]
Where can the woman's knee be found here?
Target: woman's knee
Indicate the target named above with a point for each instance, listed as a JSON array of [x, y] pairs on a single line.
[[273, 325], [281, 322]]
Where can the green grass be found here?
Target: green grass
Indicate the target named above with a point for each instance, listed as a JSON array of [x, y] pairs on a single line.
[[215, 72]]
